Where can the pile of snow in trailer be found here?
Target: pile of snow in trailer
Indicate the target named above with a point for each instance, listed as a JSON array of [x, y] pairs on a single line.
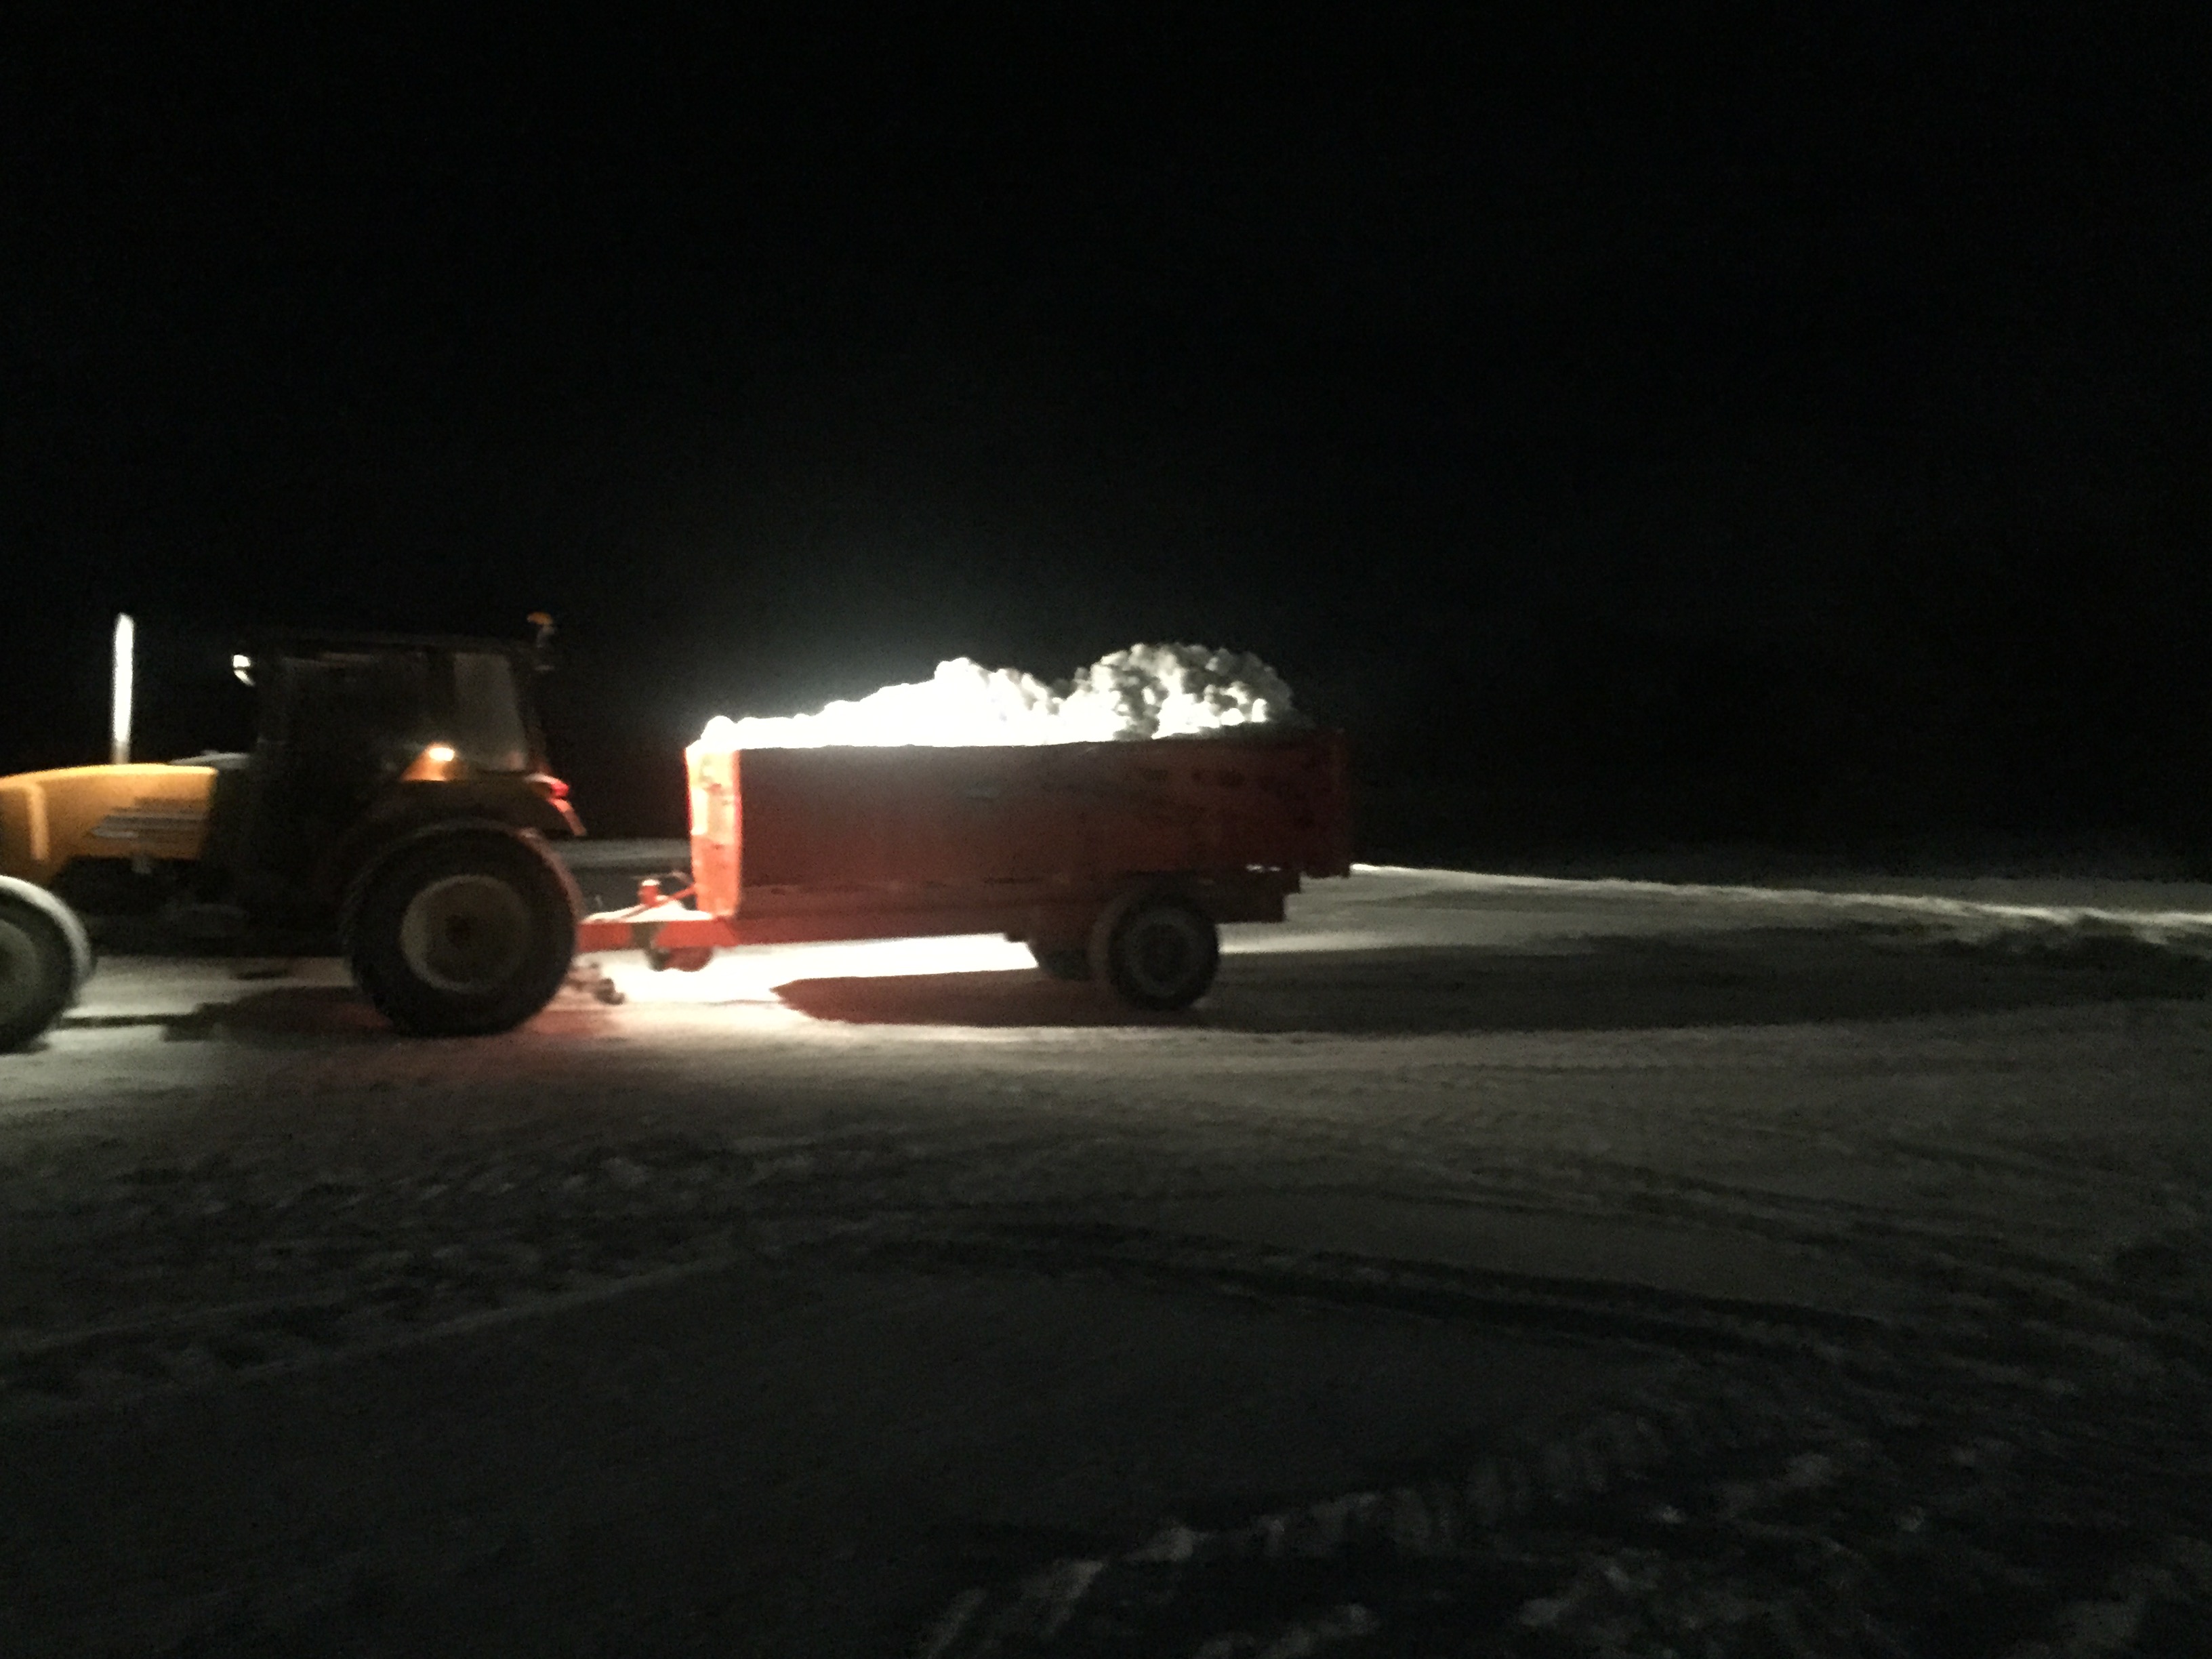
[[1145, 692]]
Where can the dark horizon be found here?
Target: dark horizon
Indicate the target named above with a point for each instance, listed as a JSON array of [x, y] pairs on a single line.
[[1788, 433]]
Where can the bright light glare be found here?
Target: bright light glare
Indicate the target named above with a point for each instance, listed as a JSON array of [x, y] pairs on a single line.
[[751, 973], [439, 754], [1145, 692]]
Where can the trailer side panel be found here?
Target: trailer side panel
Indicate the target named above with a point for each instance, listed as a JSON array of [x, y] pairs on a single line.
[[770, 825]]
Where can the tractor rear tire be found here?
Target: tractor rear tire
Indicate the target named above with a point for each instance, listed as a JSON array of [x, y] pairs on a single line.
[[463, 932], [1156, 951], [38, 972]]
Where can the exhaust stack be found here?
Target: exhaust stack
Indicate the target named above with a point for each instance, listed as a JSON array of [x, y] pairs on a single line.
[[119, 724]]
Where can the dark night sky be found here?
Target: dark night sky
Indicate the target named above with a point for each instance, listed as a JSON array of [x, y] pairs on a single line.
[[1756, 425]]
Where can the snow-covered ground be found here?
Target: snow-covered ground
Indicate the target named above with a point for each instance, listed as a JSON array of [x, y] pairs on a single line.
[[1563, 1263]]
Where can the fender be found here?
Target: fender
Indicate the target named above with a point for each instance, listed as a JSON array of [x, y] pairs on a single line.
[[403, 816], [80, 942], [384, 852]]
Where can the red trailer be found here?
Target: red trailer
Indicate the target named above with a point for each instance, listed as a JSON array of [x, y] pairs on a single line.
[[1113, 861]]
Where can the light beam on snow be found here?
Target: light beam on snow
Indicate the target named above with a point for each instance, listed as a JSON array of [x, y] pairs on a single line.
[[1145, 692]]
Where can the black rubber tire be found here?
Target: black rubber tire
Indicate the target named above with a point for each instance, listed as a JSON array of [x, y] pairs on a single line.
[[1067, 962], [463, 932], [1155, 950], [37, 972]]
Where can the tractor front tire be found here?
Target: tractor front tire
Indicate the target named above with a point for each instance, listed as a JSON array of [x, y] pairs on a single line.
[[38, 972], [463, 932], [1156, 951]]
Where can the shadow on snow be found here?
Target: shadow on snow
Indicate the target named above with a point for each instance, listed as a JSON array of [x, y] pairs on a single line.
[[1776, 977]]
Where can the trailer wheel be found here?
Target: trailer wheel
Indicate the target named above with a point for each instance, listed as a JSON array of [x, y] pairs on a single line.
[[463, 932], [38, 972], [1156, 950], [1067, 962]]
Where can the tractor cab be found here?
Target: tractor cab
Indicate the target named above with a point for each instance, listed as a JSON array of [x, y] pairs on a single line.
[[364, 738]]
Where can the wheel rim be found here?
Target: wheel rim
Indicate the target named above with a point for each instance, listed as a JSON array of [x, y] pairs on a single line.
[[465, 933], [1165, 949], [23, 973]]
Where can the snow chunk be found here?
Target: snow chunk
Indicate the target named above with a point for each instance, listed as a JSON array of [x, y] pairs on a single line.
[[1145, 692]]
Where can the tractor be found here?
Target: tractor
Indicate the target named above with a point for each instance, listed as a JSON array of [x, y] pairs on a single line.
[[396, 795]]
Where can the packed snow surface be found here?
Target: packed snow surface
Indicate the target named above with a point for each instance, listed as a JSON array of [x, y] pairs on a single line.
[[1145, 692], [1794, 1268]]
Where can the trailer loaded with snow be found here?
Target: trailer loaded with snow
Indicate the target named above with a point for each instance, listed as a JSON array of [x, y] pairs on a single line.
[[397, 793], [1114, 860]]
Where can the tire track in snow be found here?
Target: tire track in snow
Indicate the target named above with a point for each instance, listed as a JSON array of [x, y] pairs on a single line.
[[1730, 1512]]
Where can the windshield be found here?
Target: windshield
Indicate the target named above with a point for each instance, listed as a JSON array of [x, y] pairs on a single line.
[[486, 722]]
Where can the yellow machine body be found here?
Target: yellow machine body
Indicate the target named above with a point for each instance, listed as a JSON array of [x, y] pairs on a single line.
[[48, 818]]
